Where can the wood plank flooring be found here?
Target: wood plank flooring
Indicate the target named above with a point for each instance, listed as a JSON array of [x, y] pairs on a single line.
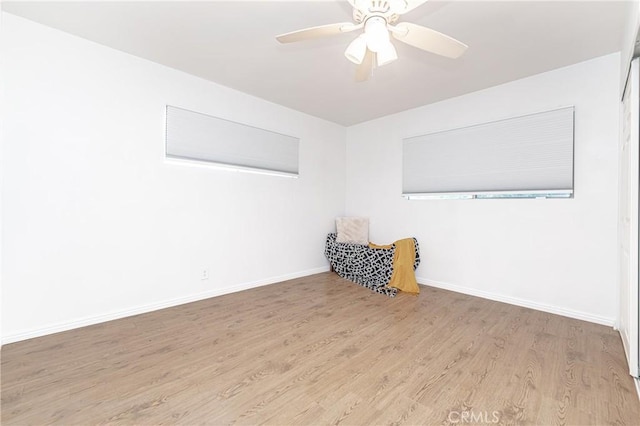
[[322, 350]]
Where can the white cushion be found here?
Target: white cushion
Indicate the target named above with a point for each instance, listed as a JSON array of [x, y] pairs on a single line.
[[352, 230]]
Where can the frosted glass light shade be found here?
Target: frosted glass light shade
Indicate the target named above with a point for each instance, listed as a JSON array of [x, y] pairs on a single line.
[[357, 49], [377, 34], [386, 54]]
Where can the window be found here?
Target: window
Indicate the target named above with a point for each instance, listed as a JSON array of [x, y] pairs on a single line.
[[200, 137], [524, 157]]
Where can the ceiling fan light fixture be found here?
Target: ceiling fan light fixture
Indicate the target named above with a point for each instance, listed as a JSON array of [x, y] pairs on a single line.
[[373, 47], [375, 29], [357, 49], [386, 55]]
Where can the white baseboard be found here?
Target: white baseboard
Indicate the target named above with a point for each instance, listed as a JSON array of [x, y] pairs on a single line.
[[96, 319], [519, 302]]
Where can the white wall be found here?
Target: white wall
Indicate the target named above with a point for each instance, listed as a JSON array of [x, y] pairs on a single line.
[[554, 255], [2, 105], [97, 225]]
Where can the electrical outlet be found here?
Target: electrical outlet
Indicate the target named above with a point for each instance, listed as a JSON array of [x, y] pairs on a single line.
[[205, 274]]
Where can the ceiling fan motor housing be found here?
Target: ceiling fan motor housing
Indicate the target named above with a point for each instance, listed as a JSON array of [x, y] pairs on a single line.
[[365, 9]]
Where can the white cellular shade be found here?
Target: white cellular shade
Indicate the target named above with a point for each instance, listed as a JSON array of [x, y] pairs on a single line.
[[195, 136], [529, 153]]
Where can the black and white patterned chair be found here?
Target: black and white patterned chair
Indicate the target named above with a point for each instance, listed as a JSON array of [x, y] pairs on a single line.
[[370, 267]]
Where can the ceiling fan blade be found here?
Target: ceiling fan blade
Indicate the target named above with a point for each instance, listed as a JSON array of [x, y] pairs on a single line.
[[363, 72], [428, 39], [315, 32]]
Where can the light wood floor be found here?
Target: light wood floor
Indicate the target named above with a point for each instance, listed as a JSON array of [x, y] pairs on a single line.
[[321, 350]]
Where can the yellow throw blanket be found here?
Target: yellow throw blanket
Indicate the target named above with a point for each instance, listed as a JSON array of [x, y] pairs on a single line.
[[403, 277]]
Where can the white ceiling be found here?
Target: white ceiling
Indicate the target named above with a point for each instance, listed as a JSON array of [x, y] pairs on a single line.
[[232, 43]]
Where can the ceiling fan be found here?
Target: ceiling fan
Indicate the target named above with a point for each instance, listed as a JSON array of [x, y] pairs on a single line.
[[373, 47]]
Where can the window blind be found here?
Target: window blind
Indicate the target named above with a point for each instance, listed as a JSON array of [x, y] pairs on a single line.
[[532, 153], [195, 136]]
